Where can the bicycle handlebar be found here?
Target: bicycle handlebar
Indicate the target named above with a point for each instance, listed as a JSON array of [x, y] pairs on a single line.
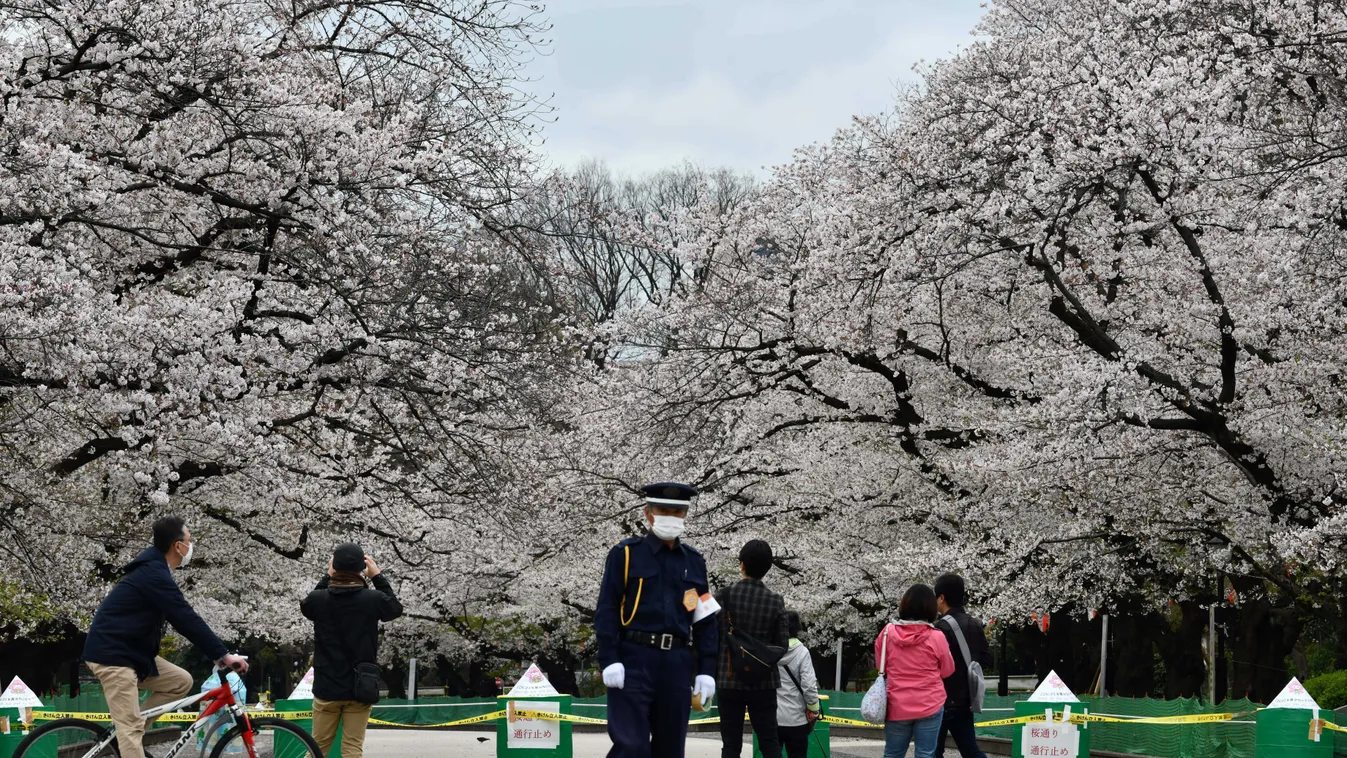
[[233, 666]]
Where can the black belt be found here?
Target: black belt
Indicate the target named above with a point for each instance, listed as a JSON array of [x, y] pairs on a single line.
[[657, 641]]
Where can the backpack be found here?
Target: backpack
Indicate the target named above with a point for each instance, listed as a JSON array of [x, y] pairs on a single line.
[[977, 683]]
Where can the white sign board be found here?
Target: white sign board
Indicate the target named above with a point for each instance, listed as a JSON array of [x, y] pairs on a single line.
[[534, 734], [1053, 690], [17, 695], [533, 684], [1294, 695], [304, 691], [1050, 740]]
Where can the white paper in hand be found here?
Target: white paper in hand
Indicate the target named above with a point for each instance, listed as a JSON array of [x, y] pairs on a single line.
[[706, 605]]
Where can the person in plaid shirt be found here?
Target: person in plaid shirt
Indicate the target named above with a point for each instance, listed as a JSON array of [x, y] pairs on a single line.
[[751, 608]]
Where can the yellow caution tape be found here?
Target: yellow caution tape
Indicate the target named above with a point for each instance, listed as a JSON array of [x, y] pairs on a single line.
[[187, 718], [521, 713], [1329, 725], [1076, 718], [54, 715], [848, 722], [1196, 718], [461, 722], [1087, 718], [1011, 721]]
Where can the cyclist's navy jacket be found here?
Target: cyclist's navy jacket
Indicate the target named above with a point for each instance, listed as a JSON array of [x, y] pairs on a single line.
[[129, 624]]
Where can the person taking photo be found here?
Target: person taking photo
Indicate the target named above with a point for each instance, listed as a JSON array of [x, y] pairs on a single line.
[[346, 615]]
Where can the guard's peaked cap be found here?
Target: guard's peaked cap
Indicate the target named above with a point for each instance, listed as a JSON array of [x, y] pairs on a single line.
[[673, 494]]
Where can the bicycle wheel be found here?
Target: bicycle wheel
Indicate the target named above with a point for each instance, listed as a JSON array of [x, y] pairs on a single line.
[[272, 738], [68, 738]]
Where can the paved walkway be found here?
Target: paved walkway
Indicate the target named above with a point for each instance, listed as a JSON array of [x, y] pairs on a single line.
[[391, 743]]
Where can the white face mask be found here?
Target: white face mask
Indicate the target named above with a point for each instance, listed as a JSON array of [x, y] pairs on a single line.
[[668, 527], [186, 559]]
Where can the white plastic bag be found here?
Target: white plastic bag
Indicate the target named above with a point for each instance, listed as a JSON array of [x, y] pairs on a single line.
[[222, 721], [875, 704]]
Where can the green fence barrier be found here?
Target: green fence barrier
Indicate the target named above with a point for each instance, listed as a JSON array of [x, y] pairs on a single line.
[[1218, 740], [1283, 733], [10, 741], [426, 711], [1211, 740]]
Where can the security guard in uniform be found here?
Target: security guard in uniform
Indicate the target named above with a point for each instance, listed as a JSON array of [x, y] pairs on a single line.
[[656, 628]]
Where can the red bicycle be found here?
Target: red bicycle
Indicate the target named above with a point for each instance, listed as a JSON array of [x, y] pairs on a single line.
[[262, 737]]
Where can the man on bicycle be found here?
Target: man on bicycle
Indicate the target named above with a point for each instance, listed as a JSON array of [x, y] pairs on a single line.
[[122, 648]]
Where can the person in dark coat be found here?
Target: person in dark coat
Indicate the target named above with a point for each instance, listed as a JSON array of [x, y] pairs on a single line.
[[950, 598], [122, 648], [345, 615], [749, 607]]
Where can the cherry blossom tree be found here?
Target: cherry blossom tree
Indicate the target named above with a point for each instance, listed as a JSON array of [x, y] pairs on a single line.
[[249, 276], [1068, 320]]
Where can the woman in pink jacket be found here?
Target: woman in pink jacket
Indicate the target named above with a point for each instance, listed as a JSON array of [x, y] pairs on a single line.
[[915, 668]]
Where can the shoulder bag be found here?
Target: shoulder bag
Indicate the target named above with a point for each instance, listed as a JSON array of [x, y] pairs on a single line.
[[810, 717], [751, 660], [875, 704], [977, 684]]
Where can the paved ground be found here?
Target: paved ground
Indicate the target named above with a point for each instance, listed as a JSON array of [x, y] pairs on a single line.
[[388, 743]]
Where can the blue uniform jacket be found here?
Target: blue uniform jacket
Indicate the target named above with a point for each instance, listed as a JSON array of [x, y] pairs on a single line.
[[662, 576], [129, 624]]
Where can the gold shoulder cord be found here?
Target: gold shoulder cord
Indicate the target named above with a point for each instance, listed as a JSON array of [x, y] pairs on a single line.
[[640, 585]]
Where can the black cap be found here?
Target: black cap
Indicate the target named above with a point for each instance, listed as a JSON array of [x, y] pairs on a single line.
[[669, 494], [348, 556]]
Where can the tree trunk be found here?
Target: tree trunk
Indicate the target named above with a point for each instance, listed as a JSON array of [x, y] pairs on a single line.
[[1339, 620], [38, 664], [396, 678], [1133, 652], [1180, 647], [1264, 636], [560, 672], [454, 684], [481, 684]]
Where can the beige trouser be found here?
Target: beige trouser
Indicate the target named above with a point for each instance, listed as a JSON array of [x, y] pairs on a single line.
[[122, 690], [353, 716]]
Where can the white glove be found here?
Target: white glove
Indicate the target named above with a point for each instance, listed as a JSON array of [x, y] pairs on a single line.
[[615, 676], [705, 687]]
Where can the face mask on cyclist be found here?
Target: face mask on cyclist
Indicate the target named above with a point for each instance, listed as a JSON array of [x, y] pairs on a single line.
[[187, 557]]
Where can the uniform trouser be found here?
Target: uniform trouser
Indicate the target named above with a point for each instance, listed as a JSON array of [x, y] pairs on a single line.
[[122, 688], [648, 717], [352, 716]]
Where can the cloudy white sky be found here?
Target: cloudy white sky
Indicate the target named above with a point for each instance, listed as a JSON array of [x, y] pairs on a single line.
[[644, 84]]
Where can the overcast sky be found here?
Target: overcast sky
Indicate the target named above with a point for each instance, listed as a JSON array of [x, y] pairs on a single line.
[[738, 83]]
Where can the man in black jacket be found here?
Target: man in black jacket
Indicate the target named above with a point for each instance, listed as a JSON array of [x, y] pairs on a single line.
[[122, 648], [748, 606], [345, 616], [950, 598]]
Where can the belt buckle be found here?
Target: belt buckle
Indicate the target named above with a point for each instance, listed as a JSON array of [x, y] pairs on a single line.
[[666, 642]]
